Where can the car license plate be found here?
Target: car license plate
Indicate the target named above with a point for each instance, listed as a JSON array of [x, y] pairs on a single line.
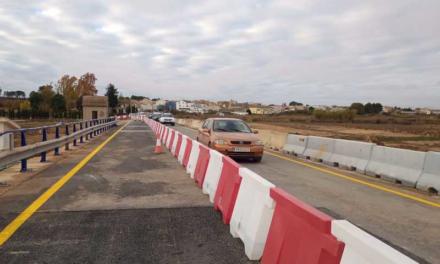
[[242, 149]]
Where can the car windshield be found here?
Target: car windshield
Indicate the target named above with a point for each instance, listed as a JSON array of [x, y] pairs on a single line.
[[167, 115], [231, 126]]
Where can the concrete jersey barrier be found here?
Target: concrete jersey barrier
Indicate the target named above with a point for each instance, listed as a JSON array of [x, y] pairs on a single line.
[[430, 178], [363, 248], [319, 148], [351, 154], [295, 144], [252, 213], [213, 173], [396, 164]]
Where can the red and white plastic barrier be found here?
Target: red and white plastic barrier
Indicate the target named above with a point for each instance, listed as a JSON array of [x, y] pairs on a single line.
[[213, 172], [193, 158], [174, 145], [273, 225], [227, 188], [171, 139], [202, 165], [299, 233], [187, 154], [363, 248], [253, 213], [182, 149], [178, 145]]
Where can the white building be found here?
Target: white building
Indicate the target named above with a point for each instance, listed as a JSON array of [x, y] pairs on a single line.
[[199, 108], [184, 105]]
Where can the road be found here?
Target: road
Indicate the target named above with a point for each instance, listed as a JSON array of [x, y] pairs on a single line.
[[125, 205], [408, 225]]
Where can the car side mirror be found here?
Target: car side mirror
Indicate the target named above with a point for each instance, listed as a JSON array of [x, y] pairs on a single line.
[[206, 130], [255, 131]]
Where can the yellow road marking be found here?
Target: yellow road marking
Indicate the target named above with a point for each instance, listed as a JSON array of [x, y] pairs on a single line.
[[12, 227], [362, 182]]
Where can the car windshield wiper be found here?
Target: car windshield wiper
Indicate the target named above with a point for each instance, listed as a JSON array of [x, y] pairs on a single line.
[[221, 129]]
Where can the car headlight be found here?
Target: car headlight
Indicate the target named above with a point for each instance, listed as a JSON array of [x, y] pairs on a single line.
[[259, 143], [220, 142]]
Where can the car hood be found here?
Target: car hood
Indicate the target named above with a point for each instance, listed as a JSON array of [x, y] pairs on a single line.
[[236, 136]]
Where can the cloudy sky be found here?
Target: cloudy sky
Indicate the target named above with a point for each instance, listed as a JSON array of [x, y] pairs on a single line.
[[315, 52]]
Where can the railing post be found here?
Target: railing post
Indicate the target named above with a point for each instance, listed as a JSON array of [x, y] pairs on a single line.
[[91, 132], [81, 128], [86, 126], [23, 143], [57, 135], [67, 133], [44, 138], [74, 139]]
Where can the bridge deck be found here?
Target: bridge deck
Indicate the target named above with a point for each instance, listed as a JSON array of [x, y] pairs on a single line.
[[126, 205]]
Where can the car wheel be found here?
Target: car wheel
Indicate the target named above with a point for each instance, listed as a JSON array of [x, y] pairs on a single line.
[[258, 159]]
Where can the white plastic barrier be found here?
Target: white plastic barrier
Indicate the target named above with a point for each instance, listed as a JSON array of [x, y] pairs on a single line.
[[213, 172], [319, 148], [193, 157], [182, 149], [363, 248], [174, 146], [351, 154], [396, 164], [430, 178], [295, 144], [253, 212]]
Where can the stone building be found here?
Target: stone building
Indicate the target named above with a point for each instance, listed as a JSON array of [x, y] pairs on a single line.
[[95, 107]]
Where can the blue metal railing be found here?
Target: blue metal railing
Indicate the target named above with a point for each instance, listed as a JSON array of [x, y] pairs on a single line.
[[76, 126]]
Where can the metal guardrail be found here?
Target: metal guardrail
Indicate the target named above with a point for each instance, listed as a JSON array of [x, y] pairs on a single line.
[[80, 130]]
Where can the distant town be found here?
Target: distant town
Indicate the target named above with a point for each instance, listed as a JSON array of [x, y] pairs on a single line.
[[143, 104]]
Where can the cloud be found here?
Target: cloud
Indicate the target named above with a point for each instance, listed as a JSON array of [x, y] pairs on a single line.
[[314, 51]]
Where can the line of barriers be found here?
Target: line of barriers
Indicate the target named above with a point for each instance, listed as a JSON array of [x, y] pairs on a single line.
[[408, 167], [274, 226], [64, 135]]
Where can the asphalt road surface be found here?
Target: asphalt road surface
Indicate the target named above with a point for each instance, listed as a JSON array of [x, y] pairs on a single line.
[[126, 205], [407, 225]]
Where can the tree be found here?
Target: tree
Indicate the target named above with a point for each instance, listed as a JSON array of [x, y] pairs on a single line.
[[58, 104], [358, 107], [138, 97], [68, 87], [47, 93], [112, 95], [86, 85], [294, 103], [25, 105], [377, 107], [35, 98], [373, 108]]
